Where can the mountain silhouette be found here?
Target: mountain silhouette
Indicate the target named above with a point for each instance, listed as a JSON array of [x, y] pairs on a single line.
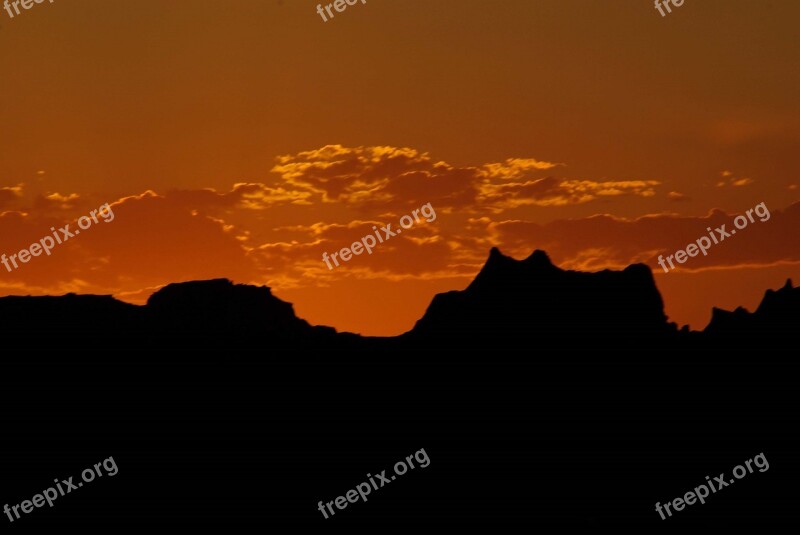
[[774, 324], [534, 300], [510, 302]]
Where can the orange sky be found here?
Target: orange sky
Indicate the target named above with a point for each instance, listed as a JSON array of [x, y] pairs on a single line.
[[243, 139]]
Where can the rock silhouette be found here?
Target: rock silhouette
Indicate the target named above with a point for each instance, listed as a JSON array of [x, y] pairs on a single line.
[[774, 324], [533, 300], [510, 302]]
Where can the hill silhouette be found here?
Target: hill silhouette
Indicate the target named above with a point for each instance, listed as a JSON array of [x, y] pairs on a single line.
[[533, 300], [774, 324], [510, 302]]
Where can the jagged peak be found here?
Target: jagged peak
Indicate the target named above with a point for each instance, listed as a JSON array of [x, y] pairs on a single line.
[[496, 254], [498, 265], [497, 259], [539, 258]]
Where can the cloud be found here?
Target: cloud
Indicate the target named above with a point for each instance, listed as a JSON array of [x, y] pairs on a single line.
[[514, 168], [395, 178], [250, 196], [22, 198], [58, 201], [298, 261], [732, 181], [677, 196], [605, 241], [551, 191], [149, 242], [353, 175], [8, 195]]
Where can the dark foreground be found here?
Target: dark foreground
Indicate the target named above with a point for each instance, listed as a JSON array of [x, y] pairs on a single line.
[[237, 448], [225, 413]]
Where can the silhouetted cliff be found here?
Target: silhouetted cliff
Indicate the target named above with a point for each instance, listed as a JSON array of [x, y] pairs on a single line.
[[533, 300], [514, 309], [774, 325]]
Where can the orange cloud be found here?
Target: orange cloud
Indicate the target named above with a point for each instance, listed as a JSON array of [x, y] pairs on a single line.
[[677, 196], [320, 201], [732, 181], [398, 178], [607, 241], [8, 195], [149, 242], [552, 191]]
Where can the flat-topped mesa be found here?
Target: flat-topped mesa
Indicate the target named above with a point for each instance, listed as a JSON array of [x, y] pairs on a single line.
[[220, 305]]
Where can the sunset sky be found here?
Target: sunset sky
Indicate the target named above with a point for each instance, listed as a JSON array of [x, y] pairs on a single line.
[[244, 138]]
